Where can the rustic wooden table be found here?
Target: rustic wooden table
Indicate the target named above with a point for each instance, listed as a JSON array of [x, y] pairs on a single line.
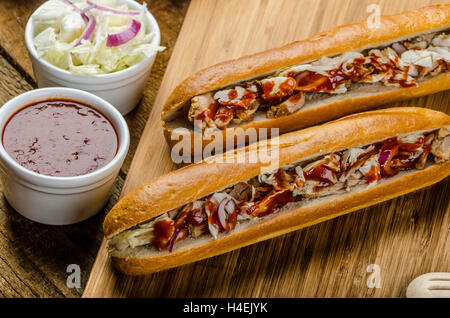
[[34, 257]]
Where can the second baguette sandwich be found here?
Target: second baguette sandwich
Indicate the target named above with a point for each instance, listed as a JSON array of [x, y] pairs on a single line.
[[210, 208], [349, 69]]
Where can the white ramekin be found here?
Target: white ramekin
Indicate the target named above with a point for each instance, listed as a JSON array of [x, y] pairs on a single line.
[[123, 89], [60, 200]]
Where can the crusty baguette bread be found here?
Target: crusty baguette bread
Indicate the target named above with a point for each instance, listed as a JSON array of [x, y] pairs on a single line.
[[198, 180], [350, 37]]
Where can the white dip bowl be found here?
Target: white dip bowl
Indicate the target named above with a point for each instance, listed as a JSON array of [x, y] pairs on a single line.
[[60, 200], [123, 89]]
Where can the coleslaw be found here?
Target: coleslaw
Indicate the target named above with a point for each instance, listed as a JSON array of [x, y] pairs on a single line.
[[92, 37]]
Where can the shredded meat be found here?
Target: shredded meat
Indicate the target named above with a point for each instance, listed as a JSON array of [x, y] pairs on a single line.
[[223, 116], [243, 192], [246, 114], [289, 106], [203, 109], [274, 200]]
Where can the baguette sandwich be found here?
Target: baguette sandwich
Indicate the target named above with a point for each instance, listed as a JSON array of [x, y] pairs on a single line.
[[349, 69], [213, 207]]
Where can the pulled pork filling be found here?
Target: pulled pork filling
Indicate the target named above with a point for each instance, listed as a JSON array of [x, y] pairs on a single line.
[[402, 64], [335, 173]]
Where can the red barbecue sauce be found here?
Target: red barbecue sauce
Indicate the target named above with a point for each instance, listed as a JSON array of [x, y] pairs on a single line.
[[244, 102], [232, 94], [389, 150], [309, 81], [213, 218], [313, 82], [322, 174], [62, 138], [267, 87], [194, 217], [209, 112], [374, 60], [373, 175], [247, 98], [163, 231], [225, 113], [284, 89], [271, 202], [412, 146]]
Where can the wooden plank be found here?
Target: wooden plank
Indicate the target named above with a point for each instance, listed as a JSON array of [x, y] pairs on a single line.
[[406, 236]]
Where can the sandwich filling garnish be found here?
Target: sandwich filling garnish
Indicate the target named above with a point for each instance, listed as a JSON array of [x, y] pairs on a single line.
[[401, 64], [265, 194]]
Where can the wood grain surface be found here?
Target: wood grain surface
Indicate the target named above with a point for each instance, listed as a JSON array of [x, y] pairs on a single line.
[[34, 257], [406, 237]]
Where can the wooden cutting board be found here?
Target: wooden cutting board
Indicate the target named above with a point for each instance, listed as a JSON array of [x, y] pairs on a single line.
[[405, 237]]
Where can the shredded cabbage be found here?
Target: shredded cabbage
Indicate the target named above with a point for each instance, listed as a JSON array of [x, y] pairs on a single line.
[[58, 29]]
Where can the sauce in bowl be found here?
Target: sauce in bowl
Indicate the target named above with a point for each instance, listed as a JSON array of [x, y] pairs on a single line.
[[61, 138]]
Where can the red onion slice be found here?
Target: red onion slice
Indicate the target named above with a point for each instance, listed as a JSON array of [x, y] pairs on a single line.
[[210, 210], [226, 207], [383, 157], [222, 214], [173, 240], [125, 36], [99, 7], [88, 31], [230, 206]]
